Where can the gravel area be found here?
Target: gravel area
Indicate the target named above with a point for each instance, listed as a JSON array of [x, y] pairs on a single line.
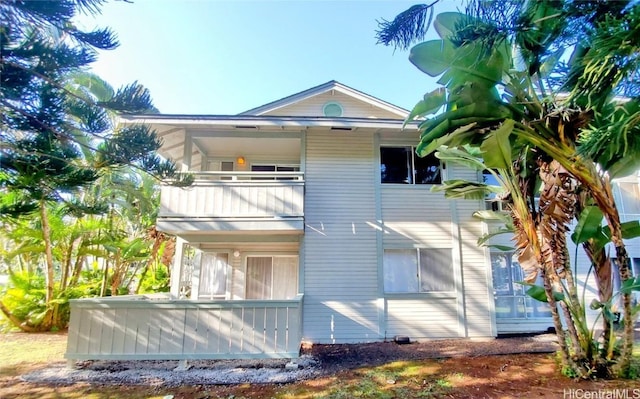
[[316, 360], [172, 373]]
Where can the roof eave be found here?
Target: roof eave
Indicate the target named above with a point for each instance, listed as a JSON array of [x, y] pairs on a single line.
[[248, 121]]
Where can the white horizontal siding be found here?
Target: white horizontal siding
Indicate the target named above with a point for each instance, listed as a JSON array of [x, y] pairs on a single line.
[[422, 318], [340, 275], [414, 216], [476, 272], [351, 107]]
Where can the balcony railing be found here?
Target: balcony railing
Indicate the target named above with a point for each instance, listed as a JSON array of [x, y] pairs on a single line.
[[142, 328], [225, 201]]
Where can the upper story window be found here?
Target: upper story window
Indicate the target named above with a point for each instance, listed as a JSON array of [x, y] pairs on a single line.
[[492, 202], [332, 109], [274, 168], [401, 165]]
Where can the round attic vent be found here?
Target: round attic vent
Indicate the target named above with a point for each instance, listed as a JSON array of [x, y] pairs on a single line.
[[332, 109]]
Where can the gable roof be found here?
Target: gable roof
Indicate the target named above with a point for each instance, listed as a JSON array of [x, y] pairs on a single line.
[[323, 88]]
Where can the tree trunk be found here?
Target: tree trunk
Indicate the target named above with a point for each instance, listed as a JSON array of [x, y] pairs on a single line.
[[47, 321], [48, 252], [624, 363], [606, 202], [602, 272], [77, 269], [23, 325], [105, 278], [565, 355]]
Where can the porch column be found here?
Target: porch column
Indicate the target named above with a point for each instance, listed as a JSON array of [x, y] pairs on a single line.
[[188, 151], [176, 268]]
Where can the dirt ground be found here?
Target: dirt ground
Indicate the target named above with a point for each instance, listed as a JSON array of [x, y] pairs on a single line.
[[500, 368]]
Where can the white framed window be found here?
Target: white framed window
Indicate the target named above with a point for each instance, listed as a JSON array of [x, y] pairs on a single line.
[[214, 273], [510, 298], [271, 277], [274, 168], [204, 274], [629, 200], [401, 165], [492, 202], [419, 270]]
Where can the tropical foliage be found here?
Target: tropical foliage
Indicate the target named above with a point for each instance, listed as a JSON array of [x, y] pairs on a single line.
[[66, 167], [553, 131]]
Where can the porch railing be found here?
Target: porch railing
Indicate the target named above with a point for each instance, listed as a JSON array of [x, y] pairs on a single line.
[[236, 195], [142, 328]]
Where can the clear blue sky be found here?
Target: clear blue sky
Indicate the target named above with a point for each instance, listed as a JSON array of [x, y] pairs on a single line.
[[224, 57]]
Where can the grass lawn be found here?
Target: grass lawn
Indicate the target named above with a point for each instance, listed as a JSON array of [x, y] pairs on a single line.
[[524, 375]]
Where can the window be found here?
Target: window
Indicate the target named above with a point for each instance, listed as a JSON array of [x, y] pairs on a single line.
[[272, 277], [213, 275], [401, 165], [492, 202], [190, 258], [629, 199], [418, 270], [274, 168], [226, 166], [203, 275], [510, 298], [634, 268], [332, 109]]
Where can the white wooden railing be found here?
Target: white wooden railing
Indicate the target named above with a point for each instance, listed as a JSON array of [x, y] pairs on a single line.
[[143, 328], [236, 195]]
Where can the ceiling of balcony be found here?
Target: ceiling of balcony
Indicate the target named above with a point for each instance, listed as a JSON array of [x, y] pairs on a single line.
[[243, 146]]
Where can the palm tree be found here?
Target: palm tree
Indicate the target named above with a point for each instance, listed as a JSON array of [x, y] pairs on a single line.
[[532, 134], [48, 125]]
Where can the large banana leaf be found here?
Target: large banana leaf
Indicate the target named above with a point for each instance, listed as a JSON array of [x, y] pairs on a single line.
[[430, 103], [589, 225], [496, 148], [458, 65], [463, 189]]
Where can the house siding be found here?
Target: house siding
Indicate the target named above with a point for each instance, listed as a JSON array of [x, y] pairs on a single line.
[[476, 267], [351, 107], [340, 256], [414, 217]]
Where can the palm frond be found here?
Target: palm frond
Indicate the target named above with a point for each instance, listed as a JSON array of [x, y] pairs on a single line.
[[407, 28]]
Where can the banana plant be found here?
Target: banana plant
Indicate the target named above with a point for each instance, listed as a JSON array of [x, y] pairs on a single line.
[[498, 95]]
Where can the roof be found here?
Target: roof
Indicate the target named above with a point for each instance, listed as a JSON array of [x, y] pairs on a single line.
[[265, 121], [323, 88]]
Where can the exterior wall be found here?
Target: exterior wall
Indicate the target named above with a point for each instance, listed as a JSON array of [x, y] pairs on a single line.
[[415, 217], [350, 218], [340, 258], [476, 268], [351, 107]]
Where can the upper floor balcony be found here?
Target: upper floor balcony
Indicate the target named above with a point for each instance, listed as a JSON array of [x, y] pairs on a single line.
[[235, 202]]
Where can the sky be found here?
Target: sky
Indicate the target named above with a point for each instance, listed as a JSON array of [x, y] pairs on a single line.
[[225, 57]]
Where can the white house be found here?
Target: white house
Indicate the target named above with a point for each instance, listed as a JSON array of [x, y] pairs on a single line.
[[310, 219]]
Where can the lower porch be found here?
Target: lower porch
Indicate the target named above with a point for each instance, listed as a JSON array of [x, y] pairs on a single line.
[[158, 327]]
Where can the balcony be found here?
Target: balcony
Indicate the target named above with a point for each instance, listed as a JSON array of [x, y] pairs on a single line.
[[152, 328], [235, 202]]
